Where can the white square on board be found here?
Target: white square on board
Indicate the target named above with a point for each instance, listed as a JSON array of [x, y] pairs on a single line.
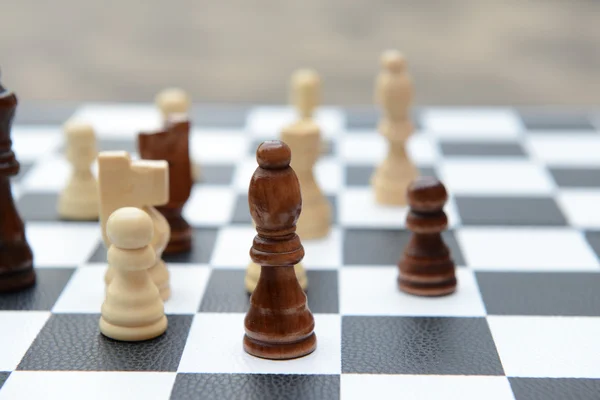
[[118, 120], [365, 149], [209, 205], [581, 207], [214, 345], [217, 146], [554, 347], [243, 174], [19, 331], [357, 208], [424, 387], [328, 175], [89, 385], [566, 149], [480, 123], [526, 249], [232, 247], [62, 244], [481, 176], [370, 290], [85, 292], [49, 174], [323, 253], [30, 143]]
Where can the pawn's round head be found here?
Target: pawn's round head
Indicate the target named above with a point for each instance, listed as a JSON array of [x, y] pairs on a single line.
[[273, 154], [173, 101], [130, 228], [427, 194], [393, 61]]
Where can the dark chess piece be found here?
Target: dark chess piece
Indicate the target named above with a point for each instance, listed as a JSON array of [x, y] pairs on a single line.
[[172, 145], [426, 268], [16, 258], [279, 324]]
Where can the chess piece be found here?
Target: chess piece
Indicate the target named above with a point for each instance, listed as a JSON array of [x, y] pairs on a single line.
[[304, 140], [394, 93], [426, 268], [172, 145], [279, 325], [142, 184], [305, 92], [133, 309], [253, 274], [176, 101], [16, 257], [79, 199]]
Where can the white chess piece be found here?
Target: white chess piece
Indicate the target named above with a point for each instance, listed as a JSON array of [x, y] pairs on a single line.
[[79, 199], [133, 309], [394, 93]]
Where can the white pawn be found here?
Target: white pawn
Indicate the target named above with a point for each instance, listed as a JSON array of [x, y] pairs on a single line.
[[79, 199], [133, 309]]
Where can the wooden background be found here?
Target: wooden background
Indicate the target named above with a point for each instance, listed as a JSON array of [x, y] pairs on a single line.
[[461, 52]]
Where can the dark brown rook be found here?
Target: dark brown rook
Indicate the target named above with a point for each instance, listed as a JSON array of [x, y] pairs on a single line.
[[172, 145], [16, 258], [279, 324], [426, 268]]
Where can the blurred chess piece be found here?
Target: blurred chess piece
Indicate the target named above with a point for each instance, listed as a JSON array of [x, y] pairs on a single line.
[[394, 94]]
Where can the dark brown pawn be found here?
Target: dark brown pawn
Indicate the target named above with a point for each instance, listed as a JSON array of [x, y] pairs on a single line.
[[16, 259], [279, 324], [172, 145], [426, 268]]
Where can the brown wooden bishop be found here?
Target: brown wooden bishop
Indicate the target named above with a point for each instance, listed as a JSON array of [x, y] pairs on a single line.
[[16, 258], [426, 268], [279, 324], [172, 145]]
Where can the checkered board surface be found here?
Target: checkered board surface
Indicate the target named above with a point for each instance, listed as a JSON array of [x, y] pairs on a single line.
[[524, 231]]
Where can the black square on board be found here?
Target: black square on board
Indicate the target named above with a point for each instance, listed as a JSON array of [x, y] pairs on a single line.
[[385, 247], [366, 118], [527, 211], [73, 342], [555, 388], [214, 116], [593, 239], [213, 174], [360, 175], [418, 346], [546, 294], [3, 377], [41, 206], [482, 149], [225, 292], [576, 177], [255, 386], [556, 121], [50, 283], [128, 145]]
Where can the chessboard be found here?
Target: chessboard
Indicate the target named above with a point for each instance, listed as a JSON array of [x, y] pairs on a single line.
[[524, 231]]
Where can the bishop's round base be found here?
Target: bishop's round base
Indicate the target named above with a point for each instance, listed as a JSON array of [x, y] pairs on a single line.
[[18, 280], [133, 334], [435, 288], [253, 273], [280, 351]]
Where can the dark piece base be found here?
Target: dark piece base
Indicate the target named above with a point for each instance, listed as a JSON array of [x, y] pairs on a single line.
[[280, 351], [180, 242], [15, 281], [437, 286]]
